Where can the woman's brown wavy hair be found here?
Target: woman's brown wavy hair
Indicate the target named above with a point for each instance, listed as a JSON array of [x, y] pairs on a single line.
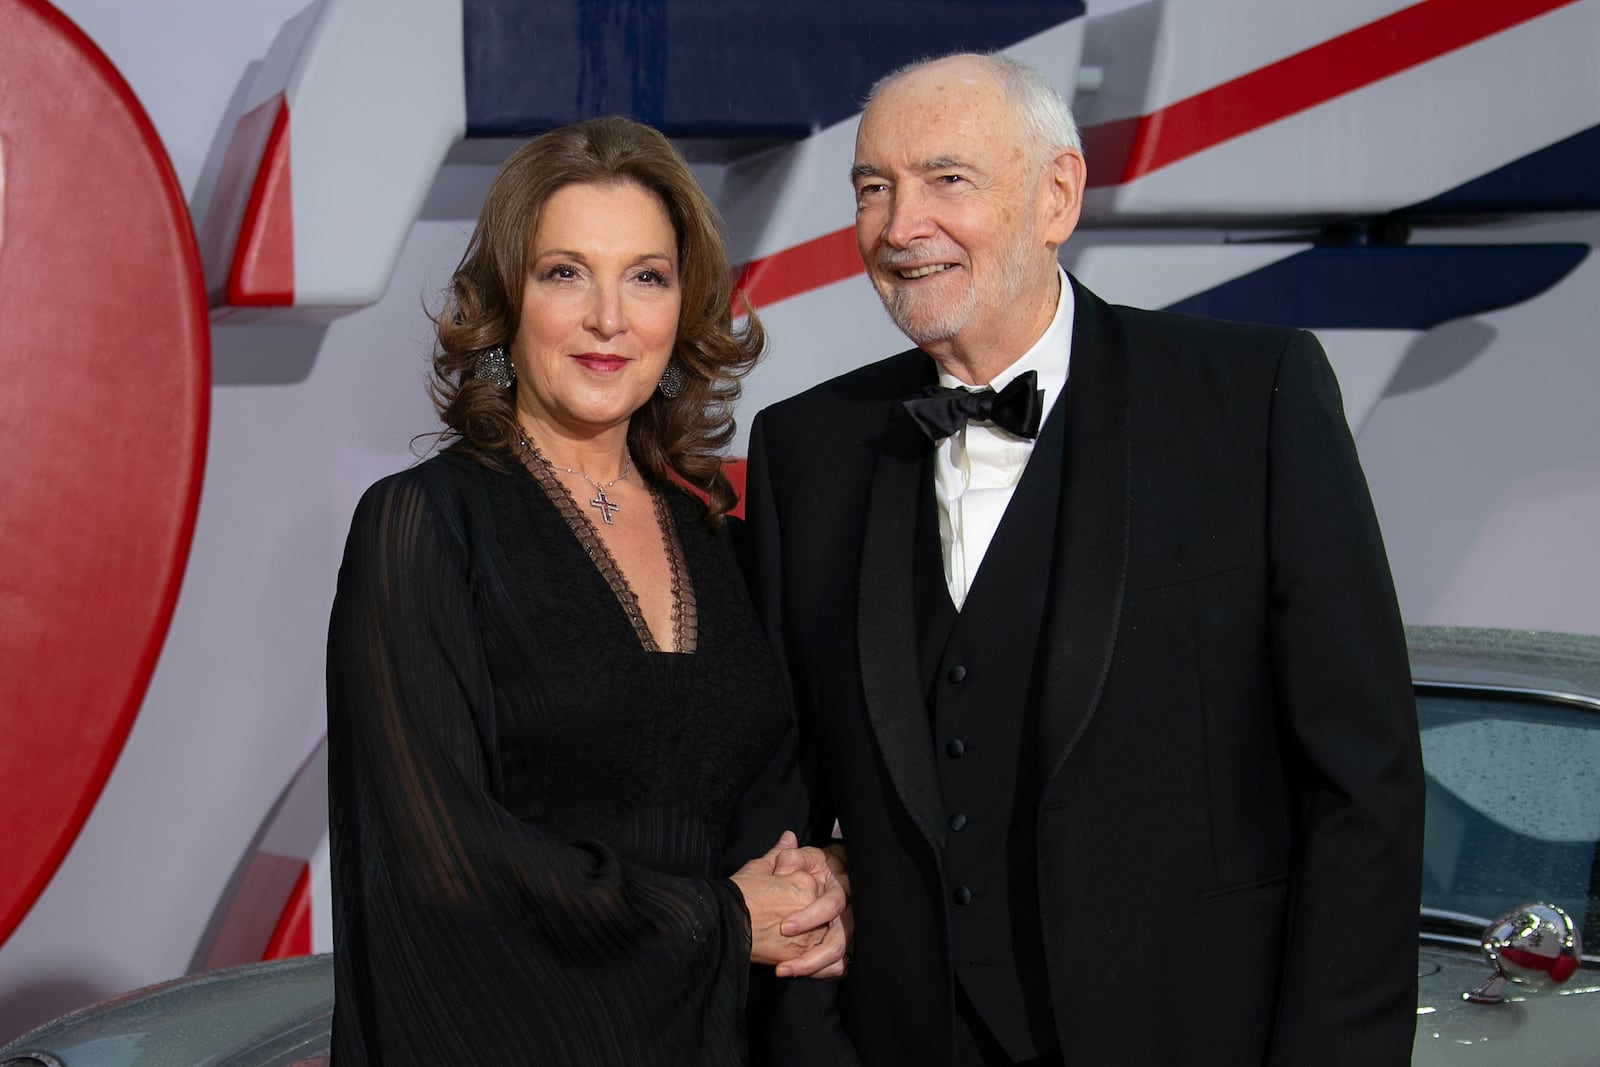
[[681, 436]]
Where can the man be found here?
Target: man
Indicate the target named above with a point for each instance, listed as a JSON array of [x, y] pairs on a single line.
[[1102, 673]]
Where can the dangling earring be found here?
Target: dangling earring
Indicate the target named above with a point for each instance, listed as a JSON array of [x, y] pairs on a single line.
[[495, 367], [671, 383]]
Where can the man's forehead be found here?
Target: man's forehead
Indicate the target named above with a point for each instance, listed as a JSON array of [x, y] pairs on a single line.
[[952, 71], [932, 97], [934, 131], [935, 93]]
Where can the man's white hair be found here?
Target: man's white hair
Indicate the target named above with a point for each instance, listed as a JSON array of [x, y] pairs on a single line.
[[1043, 117]]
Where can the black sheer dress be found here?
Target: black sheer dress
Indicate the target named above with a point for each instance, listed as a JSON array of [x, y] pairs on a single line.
[[529, 804]]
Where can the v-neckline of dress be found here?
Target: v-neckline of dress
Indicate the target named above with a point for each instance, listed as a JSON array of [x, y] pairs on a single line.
[[685, 618]]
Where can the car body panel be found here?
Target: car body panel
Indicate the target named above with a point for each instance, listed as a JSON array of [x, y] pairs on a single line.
[[276, 1014], [1557, 1027]]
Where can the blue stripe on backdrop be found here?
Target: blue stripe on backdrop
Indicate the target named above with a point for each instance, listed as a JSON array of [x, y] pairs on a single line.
[[713, 68], [1406, 287], [1563, 177]]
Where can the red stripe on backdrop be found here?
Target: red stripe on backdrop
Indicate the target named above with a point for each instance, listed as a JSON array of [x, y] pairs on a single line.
[[735, 469], [292, 935], [262, 272], [254, 910], [1131, 148], [811, 265], [1126, 149]]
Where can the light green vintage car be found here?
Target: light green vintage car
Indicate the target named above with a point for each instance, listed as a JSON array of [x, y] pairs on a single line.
[[1511, 740]]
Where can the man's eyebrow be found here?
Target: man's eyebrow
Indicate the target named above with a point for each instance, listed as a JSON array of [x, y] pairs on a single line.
[[872, 170]]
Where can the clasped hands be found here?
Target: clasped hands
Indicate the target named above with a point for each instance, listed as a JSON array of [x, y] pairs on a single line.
[[798, 899]]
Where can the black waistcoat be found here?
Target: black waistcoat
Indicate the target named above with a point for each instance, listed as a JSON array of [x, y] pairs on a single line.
[[978, 667]]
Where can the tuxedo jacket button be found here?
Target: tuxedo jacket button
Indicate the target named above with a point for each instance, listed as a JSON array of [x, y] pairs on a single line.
[[957, 675], [958, 821], [963, 895], [954, 748]]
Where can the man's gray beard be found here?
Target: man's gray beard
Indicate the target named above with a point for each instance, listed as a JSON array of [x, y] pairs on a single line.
[[941, 324], [944, 322]]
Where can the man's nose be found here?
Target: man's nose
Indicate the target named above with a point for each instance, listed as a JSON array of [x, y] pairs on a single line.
[[909, 219]]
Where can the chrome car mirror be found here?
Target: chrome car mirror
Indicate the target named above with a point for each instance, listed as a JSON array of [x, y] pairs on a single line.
[[1534, 945]]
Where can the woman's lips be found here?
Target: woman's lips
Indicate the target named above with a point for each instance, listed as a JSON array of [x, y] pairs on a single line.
[[601, 362]]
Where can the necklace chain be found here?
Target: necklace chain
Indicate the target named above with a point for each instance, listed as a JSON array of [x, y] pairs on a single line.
[[605, 504]]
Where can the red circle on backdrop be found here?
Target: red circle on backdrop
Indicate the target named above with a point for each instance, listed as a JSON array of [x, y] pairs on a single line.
[[105, 358]]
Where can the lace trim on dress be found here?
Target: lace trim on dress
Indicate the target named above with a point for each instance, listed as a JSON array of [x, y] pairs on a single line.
[[685, 615], [685, 611]]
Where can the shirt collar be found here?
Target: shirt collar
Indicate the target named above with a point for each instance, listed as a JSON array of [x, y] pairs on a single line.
[[1049, 356]]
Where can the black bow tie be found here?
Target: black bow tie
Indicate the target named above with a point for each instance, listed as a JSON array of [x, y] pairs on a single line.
[[940, 412]]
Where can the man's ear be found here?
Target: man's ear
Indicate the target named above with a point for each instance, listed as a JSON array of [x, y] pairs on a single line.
[[1063, 197]]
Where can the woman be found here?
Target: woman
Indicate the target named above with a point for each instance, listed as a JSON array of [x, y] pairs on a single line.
[[546, 687]]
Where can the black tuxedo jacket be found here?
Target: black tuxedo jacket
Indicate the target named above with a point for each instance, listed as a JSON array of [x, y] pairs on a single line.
[[1229, 816]]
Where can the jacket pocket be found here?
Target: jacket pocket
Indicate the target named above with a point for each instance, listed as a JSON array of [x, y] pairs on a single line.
[[1261, 887], [1186, 562]]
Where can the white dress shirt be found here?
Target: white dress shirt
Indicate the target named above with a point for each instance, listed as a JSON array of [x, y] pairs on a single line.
[[977, 469]]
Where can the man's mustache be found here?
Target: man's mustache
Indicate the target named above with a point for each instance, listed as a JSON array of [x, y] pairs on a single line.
[[916, 255]]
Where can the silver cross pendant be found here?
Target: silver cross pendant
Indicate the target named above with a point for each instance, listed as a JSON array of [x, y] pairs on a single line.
[[605, 504]]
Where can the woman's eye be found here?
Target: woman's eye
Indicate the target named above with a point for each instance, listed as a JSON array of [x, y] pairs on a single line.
[[559, 272], [651, 276]]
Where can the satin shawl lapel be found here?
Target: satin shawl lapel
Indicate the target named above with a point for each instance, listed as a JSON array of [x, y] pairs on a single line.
[[886, 629], [1091, 564]]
